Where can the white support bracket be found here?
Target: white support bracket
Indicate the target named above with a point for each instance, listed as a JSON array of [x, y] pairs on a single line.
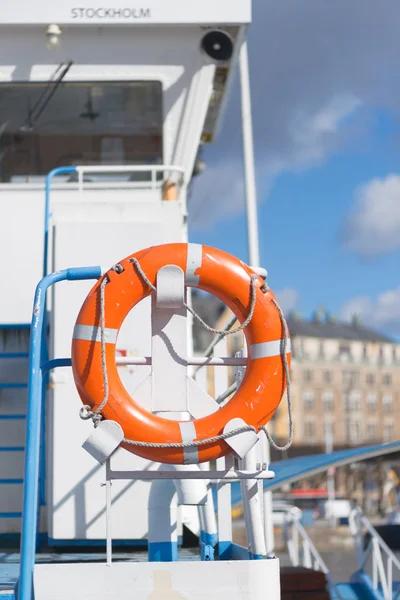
[[168, 390], [104, 440], [169, 342], [243, 442]]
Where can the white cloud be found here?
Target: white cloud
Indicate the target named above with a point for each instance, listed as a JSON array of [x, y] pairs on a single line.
[[288, 299], [373, 226], [317, 69], [382, 313]]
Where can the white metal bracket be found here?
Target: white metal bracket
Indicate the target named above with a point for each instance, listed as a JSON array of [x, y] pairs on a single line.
[[243, 442], [169, 390], [170, 287], [169, 342], [104, 440]]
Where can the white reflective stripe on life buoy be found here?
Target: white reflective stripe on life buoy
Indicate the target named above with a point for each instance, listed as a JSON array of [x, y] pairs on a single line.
[[93, 334], [188, 432], [268, 349], [194, 262]]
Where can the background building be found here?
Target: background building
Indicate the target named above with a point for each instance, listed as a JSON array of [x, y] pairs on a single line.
[[345, 381]]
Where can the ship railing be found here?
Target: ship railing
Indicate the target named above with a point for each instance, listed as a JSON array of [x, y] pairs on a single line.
[[375, 553], [301, 549], [168, 178]]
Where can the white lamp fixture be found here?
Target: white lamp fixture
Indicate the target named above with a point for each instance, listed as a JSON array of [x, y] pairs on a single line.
[[53, 36]]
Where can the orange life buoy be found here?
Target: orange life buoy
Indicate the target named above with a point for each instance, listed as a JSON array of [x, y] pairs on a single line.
[[218, 273]]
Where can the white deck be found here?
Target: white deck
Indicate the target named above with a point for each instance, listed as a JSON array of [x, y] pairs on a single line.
[[239, 580]]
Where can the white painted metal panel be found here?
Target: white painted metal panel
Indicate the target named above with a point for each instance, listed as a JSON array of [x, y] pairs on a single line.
[[76, 498], [21, 245], [238, 580], [21, 234], [149, 12]]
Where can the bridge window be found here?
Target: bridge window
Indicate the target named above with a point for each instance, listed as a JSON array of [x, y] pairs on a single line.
[[43, 126]]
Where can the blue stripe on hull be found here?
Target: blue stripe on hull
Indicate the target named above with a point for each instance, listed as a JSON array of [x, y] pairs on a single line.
[[163, 551]]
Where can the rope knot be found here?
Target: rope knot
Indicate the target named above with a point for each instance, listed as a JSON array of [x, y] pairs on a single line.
[[85, 413], [118, 268]]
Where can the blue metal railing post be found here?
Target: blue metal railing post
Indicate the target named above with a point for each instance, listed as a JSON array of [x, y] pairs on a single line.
[[33, 424], [47, 212], [47, 216]]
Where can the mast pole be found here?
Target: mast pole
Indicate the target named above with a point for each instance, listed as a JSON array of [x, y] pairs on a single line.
[[248, 154], [253, 241]]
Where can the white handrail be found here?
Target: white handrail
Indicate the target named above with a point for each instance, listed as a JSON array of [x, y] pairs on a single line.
[[378, 550], [128, 168], [152, 169], [301, 548]]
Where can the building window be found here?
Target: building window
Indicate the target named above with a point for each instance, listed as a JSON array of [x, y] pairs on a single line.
[[381, 355], [355, 401], [371, 403], [387, 379], [370, 378], [327, 376], [329, 429], [327, 399], [394, 354], [321, 352], [344, 348], [308, 400], [352, 402], [371, 432], [310, 430], [355, 431], [388, 432], [365, 352], [307, 375], [350, 378], [387, 402]]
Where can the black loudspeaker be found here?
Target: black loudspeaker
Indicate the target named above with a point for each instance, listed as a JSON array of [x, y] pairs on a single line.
[[218, 45]]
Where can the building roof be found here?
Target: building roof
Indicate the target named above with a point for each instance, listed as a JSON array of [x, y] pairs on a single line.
[[322, 326], [335, 330]]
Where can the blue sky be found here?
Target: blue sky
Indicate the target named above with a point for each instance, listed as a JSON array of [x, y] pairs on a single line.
[[327, 158]]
